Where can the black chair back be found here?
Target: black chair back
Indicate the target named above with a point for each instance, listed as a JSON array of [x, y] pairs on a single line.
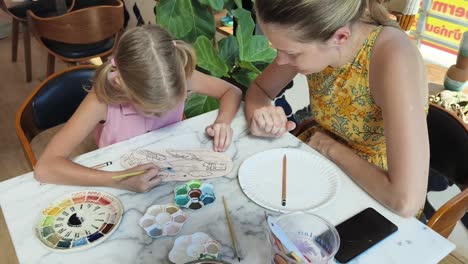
[[52, 103], [448, 139], [56, 102]]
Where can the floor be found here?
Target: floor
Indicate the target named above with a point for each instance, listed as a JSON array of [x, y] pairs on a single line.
[[14, 89]]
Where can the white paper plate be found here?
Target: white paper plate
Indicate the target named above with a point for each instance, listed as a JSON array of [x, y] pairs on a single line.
[[312, 180]]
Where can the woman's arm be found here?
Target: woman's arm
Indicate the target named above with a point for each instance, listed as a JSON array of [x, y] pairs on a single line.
[[55, 166], [263, 118], [398, 85]]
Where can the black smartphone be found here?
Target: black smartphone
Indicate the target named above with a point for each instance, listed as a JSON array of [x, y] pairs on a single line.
[[360, 232]]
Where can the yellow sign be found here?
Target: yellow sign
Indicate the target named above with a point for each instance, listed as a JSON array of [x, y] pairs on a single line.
[[448, 32]]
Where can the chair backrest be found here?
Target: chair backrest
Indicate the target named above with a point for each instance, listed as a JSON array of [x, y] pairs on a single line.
[[447, 216], [18, 10], [448, 141], [52, 103], [83, 26]]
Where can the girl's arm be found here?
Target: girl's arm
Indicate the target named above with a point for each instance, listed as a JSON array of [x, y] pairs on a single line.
[[229, 95], [55, 166], [229, 99], [398, 85], [263, 118]]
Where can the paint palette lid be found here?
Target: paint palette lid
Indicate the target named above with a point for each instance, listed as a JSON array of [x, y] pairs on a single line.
[[79, 220], [197, 246], [312, 181]]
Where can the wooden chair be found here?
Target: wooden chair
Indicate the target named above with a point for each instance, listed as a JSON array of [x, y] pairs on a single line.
[[18, 14], [52, 103], [404, 10], [79, 35], [447, 216]]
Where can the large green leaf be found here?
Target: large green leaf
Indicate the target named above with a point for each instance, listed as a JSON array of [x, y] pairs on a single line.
[[251, 48], [217, 5], [244, 31], [238, 3], [198, 104], [258, 49], [228, 50], [244, 77], [249, 66], [208, 58], [185, 19]]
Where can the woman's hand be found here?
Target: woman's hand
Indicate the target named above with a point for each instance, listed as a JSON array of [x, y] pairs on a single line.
[[143, 182], [270, 121], [322, 142], [221, 134]]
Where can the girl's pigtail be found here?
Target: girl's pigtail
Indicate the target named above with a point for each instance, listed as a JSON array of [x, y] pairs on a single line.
[[187, 56], [102, 86]]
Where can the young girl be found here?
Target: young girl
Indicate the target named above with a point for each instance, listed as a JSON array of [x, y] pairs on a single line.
[[368, 93], [141, 89]]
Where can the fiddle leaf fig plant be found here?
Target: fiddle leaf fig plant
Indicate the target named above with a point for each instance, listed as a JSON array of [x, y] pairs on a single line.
[[239, 58]]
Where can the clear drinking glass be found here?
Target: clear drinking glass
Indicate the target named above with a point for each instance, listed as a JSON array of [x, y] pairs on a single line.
[[313, 236]]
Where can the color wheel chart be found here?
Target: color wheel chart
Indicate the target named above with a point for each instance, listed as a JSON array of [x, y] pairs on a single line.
[[79, 220]]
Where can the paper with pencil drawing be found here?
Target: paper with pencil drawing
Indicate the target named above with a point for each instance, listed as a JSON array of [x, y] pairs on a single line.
[[185, 164]]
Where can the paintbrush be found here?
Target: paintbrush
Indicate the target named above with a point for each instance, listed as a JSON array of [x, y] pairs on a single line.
[[136, 173], [231, 230]]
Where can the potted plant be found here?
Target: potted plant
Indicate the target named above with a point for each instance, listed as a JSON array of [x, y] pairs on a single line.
[[238, 59]]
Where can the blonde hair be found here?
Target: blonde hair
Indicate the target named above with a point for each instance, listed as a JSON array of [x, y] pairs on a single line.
[[319, 19], [152, 67]]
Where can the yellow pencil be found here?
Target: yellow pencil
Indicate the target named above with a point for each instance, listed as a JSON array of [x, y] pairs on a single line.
[[126, 175], [231, 230]]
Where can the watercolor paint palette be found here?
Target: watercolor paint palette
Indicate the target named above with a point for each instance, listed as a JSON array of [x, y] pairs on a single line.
[[193, 247], [163, 220], [194, 195], [79, 220]]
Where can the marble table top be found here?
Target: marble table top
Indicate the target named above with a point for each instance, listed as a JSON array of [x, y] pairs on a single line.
[[22, 199]]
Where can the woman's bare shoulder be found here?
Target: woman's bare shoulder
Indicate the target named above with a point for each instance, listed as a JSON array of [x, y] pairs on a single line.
[[394, 44]]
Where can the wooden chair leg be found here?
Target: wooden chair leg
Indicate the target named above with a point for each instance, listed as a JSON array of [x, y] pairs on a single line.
[[27, 51], [50, 64], [14, 40]]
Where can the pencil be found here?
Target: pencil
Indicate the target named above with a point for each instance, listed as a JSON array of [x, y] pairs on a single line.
[[231, 230], [107, 163], [283, 193], [126, 175]]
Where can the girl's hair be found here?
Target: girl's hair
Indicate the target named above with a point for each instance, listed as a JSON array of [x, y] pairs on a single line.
[[152, 67], [319, 19]]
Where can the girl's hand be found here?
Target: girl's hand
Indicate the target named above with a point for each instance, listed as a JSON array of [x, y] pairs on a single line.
[[322, 142], [270, 121], [143, 182], [221, 134]]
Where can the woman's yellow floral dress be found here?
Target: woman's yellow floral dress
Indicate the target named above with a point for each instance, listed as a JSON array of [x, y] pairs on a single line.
[[341, 103]]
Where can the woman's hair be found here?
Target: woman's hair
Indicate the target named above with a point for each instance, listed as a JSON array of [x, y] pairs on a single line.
[[319, 19], [152, 67]]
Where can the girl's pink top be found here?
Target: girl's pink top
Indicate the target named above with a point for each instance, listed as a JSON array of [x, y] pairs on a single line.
[[124, 122]]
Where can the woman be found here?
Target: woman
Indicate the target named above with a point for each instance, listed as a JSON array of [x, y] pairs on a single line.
[[368, 93]]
